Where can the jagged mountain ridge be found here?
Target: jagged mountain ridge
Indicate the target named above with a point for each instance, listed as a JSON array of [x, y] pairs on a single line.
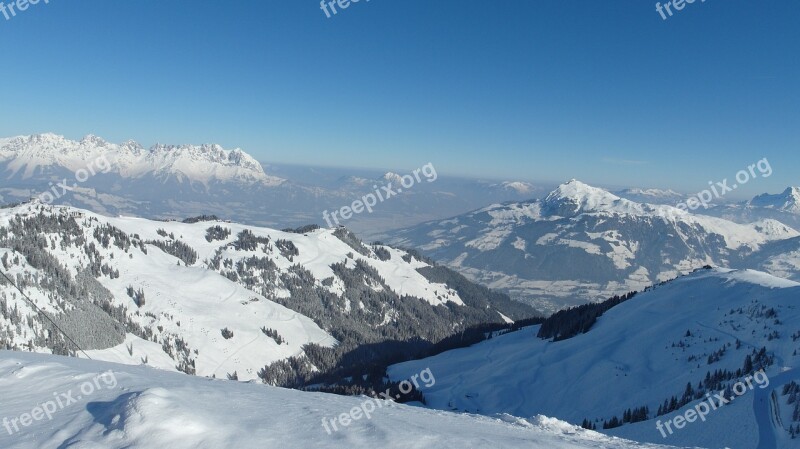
[[28, 155], [788, 201]]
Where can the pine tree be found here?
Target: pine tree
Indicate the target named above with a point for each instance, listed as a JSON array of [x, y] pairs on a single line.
[[748, 364]]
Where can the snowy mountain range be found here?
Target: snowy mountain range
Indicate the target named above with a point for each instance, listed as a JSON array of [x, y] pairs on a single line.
[[582, 243], [220, 299], [707, 330], [46, 154], [177, 181], [151, 300], [784, 207]]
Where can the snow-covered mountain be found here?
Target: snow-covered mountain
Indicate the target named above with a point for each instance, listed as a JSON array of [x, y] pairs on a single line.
[[652, 196], [788, 201], [583, 243], [699, 330], [141, 408], [222, 299], [523, 188], [42, 154], [783, 207]]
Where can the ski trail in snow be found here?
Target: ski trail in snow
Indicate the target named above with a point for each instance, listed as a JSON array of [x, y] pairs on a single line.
[[767, 413], [235, 352], [521, 386], [765, 406]]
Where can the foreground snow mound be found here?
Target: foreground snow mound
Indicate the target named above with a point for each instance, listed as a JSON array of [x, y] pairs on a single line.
[[138, 407]]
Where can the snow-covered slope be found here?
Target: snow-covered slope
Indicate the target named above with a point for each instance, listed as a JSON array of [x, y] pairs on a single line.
[[211, 297], [183, 308], [140, 408], [584, 243], [639, 354], [780, 258]]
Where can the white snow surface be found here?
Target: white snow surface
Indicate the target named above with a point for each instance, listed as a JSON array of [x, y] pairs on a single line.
[[637, 354], [140, 408]]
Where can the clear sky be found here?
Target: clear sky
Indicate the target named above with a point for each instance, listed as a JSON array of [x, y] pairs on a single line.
[[604, 91]]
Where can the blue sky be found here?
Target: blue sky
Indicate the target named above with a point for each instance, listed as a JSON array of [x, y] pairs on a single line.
[[545, 90]]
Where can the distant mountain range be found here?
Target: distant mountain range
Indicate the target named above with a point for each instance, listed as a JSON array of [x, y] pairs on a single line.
[[652, 196], [582, 243], [577, 243], [178, 181], [45, 154], [784, 206]]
